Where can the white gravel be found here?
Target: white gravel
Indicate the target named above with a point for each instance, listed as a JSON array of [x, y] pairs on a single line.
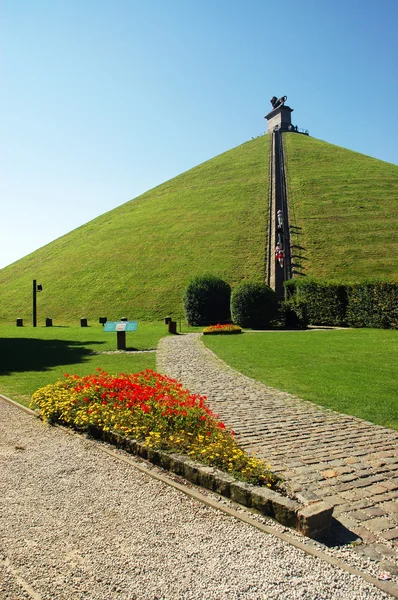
[[76, 523]]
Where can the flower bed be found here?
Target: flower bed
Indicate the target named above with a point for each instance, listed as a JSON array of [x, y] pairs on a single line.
[[218, 329], [153, 409]]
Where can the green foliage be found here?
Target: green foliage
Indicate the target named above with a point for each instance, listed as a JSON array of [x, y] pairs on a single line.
[[293, 314], [369, 304], [207, 300], [373, 304], [325, 302], [253, 305]]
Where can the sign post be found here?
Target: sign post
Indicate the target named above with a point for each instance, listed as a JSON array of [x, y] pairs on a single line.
[[121, 327]]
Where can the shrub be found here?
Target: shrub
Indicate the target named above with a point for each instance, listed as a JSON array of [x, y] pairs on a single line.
[[373, 304], [207, 301], [367, 304], [253, 305], [219, 329], [155, 410], [326, 302], [293, 314]]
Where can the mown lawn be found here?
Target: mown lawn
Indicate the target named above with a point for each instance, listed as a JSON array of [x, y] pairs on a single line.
[[31, 358], [353, 371]]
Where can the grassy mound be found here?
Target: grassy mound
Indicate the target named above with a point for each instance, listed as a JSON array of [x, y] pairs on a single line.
[[343, 208], [136, 260]]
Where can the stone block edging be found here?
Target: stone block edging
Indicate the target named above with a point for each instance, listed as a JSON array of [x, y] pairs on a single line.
[[310, 520]]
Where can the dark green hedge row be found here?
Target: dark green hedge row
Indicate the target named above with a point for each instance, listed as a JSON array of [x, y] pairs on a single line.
[[368, 304]]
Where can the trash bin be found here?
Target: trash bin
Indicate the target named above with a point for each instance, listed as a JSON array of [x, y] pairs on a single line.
[[19, 322], [83, 323], [49, 322]]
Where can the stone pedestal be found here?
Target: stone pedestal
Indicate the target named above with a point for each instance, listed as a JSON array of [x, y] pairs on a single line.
[[279, 119]]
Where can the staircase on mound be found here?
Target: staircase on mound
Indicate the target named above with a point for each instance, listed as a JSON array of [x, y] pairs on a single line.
[[278, 225]]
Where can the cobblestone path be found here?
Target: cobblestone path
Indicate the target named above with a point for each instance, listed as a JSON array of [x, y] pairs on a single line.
[[343, 460]]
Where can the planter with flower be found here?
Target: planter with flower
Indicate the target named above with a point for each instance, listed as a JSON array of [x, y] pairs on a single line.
[[218, 329], [154, 410]]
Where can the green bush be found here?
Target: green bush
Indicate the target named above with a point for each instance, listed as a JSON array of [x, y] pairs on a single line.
[[373, 304], [253, 305], [326, 302], [207, 301], [367, 304], [293, 314]]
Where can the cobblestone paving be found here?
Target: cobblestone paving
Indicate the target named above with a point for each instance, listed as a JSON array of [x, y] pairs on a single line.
[[343, 460]]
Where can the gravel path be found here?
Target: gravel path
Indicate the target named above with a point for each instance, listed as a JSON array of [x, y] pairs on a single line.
[[76, 523]]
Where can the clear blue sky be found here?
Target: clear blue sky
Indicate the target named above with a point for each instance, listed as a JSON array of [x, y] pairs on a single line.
[[101, 101]]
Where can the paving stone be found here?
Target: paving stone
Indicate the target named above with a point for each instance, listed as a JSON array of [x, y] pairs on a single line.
[[387, 565], [358, 515], [379, 524], [391, 534], [368, 536], [369, 552], [385, 550], [375, 511], [349, 495], [390, 507], [388, 496]]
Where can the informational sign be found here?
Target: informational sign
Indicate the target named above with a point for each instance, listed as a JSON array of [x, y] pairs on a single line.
[[121, 326]]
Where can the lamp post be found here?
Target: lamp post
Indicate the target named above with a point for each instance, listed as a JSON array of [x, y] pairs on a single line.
[[36, 288]]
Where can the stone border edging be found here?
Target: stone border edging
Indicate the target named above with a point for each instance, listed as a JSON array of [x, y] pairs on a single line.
[[310, 520], [386, 586], [34, 413]]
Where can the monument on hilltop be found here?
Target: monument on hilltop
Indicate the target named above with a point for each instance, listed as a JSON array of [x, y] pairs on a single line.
[[279, 119]]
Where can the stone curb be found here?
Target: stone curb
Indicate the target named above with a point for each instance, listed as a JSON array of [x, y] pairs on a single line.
[[310, 520]]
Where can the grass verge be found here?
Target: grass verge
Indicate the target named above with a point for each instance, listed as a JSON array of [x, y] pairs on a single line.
[[354, 371], [31, 358]]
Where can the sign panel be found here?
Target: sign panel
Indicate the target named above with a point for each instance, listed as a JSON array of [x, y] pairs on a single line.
[[121, 326]]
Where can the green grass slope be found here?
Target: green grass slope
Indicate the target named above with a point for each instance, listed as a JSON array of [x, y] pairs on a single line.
[[345, 209], [136, 260]]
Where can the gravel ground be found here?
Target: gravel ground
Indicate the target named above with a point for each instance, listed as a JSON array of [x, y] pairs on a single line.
[[76, 523]]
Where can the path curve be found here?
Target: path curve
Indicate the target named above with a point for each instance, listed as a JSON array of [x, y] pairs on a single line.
[[343, 460]]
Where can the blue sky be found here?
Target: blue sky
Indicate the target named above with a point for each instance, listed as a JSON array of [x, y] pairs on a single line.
[[102, 101]]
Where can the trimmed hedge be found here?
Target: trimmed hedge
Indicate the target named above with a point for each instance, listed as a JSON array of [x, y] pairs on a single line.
[[293, 314], [207, 301], [368, 304], [373, 304], [326, 302], [253, 305]]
